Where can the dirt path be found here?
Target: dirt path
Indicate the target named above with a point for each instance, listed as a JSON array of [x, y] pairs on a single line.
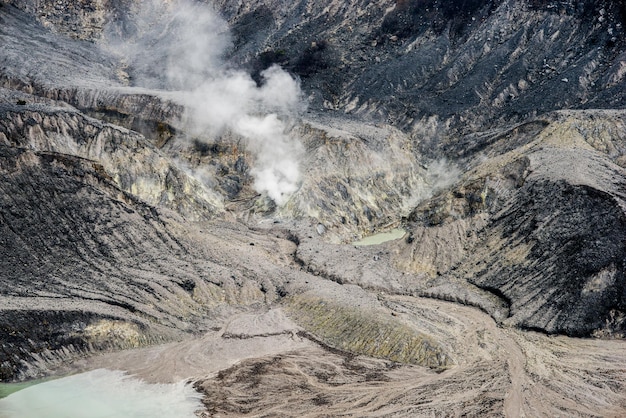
[[545, 375], [513, 402]]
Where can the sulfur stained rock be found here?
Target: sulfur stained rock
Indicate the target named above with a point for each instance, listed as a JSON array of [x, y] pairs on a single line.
[[363, 332], [127, 157]]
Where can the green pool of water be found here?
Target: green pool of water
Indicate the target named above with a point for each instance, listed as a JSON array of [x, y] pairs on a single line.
[[381, 237], [8, 388], [98, 394]]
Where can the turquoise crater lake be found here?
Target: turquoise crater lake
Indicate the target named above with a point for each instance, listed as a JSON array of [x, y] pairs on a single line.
[[101, 394]]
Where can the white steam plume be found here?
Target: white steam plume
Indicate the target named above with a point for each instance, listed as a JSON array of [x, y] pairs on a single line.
[[233, 102], [179, 45], [441, 174]]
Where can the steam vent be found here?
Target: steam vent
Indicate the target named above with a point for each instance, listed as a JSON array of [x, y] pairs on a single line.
[[272, 208]]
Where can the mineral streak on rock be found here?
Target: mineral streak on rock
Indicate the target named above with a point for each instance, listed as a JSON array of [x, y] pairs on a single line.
[[365, 333]]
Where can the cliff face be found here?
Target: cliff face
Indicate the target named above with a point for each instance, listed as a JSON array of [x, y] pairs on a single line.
[[155, 185], [467, 65], [550, 214]]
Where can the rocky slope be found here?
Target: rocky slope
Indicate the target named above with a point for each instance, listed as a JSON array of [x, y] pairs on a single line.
[[467, 65], [135, 210], [551, 244]]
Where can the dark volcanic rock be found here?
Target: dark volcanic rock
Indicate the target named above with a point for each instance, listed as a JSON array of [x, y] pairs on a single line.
[[467, 64], [44, 336], [544, 224], [86, 266], [106, 195], [60, 253], [572, 280]]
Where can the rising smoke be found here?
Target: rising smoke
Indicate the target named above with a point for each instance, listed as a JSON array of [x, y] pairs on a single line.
[[179, 46]]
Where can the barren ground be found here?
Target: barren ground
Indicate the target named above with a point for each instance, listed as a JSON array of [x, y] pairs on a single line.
[[277, 371]]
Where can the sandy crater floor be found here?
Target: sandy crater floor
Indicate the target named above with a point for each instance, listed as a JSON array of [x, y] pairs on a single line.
[[259, 365]]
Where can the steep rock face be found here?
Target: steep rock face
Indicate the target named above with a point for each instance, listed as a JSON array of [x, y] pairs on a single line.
[[571, 279], [128, 158], [359, 178], [63, 256], [468, 65], [531, 233], [550, 241], [87, 266]]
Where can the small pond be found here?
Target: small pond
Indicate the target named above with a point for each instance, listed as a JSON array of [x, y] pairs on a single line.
[[381, 237]]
